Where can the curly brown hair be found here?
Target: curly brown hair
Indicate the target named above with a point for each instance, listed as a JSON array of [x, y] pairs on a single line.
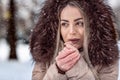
[[102, 43]]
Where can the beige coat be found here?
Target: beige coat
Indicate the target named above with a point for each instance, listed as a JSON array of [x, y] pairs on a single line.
[[80, 71]]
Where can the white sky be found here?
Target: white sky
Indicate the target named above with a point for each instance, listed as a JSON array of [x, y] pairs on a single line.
[[114, 3]]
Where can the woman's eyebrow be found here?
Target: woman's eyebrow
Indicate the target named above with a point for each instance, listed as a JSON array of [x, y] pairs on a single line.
[[78, 19], [64, 20], [74, 20]]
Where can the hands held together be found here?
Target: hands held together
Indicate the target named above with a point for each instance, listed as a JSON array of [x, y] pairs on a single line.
[[67, 57]]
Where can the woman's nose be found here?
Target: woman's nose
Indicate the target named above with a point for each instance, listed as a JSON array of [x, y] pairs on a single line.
[[72, 29]]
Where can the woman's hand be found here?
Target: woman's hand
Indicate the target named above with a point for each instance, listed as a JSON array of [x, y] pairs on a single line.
[[67, 57]]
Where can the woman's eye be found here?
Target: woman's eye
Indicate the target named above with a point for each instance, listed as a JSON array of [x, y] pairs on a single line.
[[64, 24], [79, 24]]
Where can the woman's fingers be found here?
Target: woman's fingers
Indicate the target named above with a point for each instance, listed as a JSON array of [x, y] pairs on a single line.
[[66, 62], [68, 58], [65, 52], [65, 66], [68, 43], [70, 64], [69, 46]]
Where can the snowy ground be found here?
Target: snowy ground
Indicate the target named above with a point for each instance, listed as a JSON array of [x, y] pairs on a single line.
[[23, 52], [14, 70]]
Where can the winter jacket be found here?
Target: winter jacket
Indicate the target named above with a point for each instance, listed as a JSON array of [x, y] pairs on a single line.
[[80, 71]]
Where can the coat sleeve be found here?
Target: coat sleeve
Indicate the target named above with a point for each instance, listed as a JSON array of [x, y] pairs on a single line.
[[80, 71], [109, 73], [52, 74], [41, 73]]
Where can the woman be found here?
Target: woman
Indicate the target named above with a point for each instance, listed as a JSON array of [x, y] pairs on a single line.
[[75, 40]]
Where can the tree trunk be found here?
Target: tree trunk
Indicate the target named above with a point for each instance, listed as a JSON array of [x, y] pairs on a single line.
[[12, 31]]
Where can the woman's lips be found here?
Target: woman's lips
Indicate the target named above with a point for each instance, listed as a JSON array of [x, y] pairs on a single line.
[[74, 41]]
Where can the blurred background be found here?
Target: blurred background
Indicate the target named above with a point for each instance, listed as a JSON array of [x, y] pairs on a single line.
[[17, 19]]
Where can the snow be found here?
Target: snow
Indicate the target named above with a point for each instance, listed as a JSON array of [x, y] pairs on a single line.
[[23, 51], [20, 69], [14, 70], [4, 50]]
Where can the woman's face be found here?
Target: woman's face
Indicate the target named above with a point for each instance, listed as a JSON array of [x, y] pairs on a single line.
[[72, 26]]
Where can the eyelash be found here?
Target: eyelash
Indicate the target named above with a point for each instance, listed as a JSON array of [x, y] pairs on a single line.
[[64, 24], [80, 23]]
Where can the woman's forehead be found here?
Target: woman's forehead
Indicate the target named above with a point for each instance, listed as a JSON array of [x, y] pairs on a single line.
[[71, 12]]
